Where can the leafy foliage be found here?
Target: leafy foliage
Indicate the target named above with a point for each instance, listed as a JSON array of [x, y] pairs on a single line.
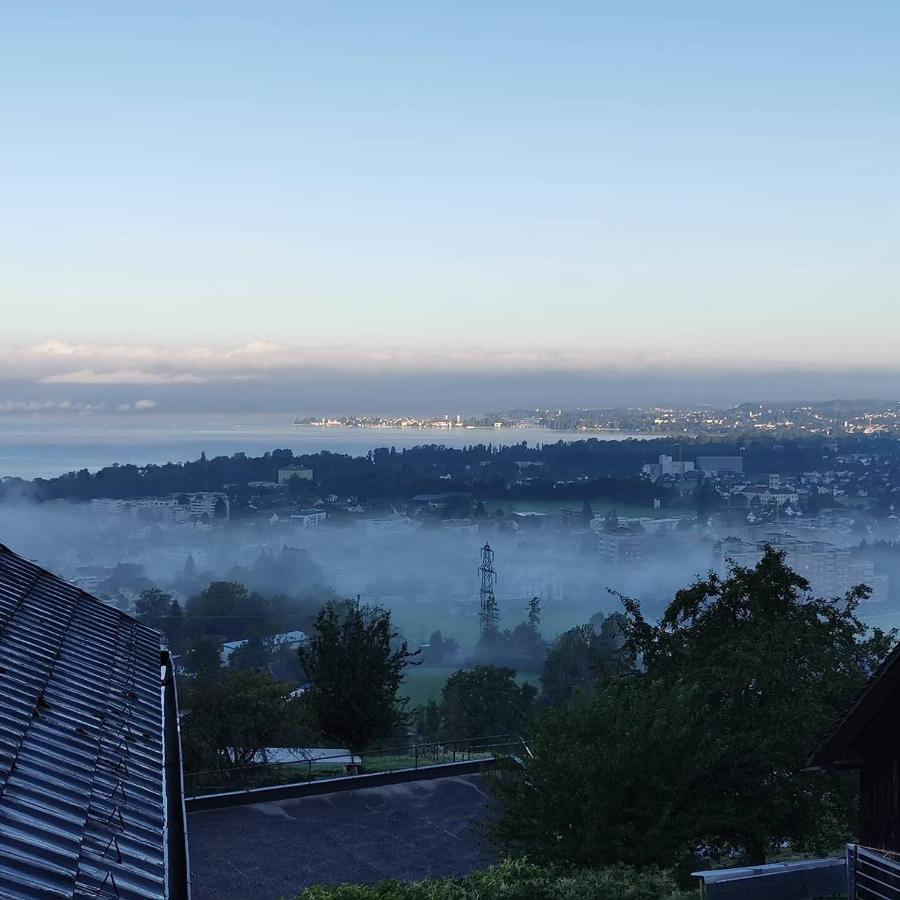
[[440, 651], [228, 611], [159, 610], [355, 661], [484, 701], [770, 668], [522, 648], [578, 657], [266, 654], [518, 880], [602, 786], [231, 718], [704, 743]]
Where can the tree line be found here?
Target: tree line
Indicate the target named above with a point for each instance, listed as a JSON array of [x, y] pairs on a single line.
[[610, 469], [678, 743]]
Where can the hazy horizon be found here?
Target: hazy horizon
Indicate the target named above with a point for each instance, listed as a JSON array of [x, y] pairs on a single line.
[[360, 208], [421, 393]]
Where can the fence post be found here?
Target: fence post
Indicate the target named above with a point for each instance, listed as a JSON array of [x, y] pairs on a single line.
[[416, 749], [851, 867]]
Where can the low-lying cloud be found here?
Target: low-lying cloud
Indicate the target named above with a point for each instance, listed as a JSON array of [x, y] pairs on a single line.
[[122, 376], [14, 407], [63, 362]]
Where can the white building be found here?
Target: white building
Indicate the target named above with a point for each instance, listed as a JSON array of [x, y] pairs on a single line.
[[212, 504], [171, 509], [666, 466], [830, 570], [307, 518], [291, 639], [767, 495], [388, 525], [107, 505]]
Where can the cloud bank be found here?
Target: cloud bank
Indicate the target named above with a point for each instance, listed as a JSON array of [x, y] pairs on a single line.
[[267, 376], [14, 407], [68, 363]]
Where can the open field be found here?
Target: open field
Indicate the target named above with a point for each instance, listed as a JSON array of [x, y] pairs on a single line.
[[417, 621], [423, 684]]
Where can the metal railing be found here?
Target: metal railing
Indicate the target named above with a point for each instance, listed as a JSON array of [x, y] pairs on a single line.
[[815, 879], [872, 874], [314, 768]]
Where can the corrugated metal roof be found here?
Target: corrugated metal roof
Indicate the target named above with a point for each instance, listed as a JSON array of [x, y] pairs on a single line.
[[82, 809]]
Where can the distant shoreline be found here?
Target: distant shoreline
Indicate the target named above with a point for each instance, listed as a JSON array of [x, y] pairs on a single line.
[[42, 449]]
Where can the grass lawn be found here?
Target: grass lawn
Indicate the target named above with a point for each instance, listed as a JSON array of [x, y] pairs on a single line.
[[417, 621]]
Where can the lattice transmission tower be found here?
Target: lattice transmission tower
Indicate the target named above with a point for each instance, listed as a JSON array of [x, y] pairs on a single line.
[[488, 614]]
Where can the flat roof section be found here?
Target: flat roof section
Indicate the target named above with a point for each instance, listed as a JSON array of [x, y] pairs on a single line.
[[406, 831]]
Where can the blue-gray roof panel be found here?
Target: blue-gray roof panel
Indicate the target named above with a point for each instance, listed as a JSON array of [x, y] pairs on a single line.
[[82, 809]]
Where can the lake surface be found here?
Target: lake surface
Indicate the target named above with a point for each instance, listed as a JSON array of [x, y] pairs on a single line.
[[43, 446]]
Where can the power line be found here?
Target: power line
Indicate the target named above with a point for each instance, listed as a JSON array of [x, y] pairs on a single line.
[[488, 614]]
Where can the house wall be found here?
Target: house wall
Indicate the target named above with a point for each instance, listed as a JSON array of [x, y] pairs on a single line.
[[879, 796]]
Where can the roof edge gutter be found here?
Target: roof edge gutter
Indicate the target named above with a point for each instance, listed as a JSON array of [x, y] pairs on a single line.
[[178, 870]]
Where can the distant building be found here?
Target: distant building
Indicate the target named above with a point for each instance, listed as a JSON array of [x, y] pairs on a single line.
[[388, 525], [655, 526], [621, 546], [461, 526], [667, 466], [830, 570], [767, 495], [863, 572], [717, 465], [439, 501], [288, 474], [212, 504], [307, 518], [107, 505], [172, 509], [291, 639]]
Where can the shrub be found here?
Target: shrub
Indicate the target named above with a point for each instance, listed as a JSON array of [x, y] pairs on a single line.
[[518, 880]]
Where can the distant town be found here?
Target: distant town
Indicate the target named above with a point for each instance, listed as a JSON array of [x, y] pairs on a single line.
[[568, 519], [822, 418]]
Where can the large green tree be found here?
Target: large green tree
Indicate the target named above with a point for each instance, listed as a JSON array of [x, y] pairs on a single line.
[[230, 719], [579, 657], [161, 611], [484, 701], [228, 611], [601, 785], [731, 690], [355, 662]]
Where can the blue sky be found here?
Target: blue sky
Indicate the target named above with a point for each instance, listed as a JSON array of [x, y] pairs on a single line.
[[586, 186]]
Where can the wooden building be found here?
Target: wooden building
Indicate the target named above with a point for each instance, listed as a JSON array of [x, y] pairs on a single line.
[[867, 738]]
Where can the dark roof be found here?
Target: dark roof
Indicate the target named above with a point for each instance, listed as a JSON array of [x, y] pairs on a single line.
[[267, 851], [843, 744], [82, 778]]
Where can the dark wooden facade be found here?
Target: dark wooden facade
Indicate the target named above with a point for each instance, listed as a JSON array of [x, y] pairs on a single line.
[[867, 738], [879, 787]]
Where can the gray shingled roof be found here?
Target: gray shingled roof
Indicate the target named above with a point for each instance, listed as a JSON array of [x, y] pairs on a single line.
[[82, 809]]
